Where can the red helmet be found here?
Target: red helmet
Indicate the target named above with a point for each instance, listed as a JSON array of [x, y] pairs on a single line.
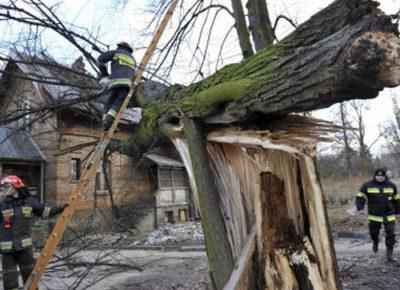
[[14, 180]]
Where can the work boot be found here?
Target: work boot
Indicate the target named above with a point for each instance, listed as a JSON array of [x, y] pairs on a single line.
[[375, 246], [107, 122], [389, 255]]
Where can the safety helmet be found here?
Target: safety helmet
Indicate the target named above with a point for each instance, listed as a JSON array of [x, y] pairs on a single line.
[[14, 180], [124, 44]]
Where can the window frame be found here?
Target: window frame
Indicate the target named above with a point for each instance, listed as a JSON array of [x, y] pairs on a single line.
[[75, 169], [172, 178]]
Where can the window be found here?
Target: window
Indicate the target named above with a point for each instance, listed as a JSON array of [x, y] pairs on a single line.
[[100, 183], [169, 217], [172, 177], [182, 215], [75, 169], [180, 177], [165, 177], [24, 106]]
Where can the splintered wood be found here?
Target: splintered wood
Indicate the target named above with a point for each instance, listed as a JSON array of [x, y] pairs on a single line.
[[267, 182], [294, 134]]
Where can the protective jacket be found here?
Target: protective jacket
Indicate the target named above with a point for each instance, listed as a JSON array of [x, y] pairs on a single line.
[[383, 200], [122, 67], [16, 216]]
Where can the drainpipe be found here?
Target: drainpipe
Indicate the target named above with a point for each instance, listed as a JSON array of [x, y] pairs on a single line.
[[42, 189]]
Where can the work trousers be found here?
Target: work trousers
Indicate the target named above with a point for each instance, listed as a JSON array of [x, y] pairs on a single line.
[[115, 98], [374, 228], [24, 259]]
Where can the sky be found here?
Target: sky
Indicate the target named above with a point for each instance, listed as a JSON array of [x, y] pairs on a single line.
[[127, 22]]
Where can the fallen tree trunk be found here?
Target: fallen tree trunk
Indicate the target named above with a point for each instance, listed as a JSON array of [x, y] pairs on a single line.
[[348, 50]]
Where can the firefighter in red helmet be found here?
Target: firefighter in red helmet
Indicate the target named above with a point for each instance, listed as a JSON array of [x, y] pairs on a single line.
[[16, 209]]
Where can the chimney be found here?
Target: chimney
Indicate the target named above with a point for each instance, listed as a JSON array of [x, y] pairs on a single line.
[[78, 64]]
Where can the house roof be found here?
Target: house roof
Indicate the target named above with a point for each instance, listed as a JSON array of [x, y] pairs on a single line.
[[32, 65], [164, 160], [17, 145]]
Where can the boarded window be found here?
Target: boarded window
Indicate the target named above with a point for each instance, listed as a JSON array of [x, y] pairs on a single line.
[[75, 169], [173, 178]]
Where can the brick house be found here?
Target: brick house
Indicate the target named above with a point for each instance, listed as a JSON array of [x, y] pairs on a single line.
[[58, 132]]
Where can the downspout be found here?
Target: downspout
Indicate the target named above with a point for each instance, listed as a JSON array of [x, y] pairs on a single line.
[[42, 173]]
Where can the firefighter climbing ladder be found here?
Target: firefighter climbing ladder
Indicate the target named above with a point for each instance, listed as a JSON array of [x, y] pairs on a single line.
[[93, 164]]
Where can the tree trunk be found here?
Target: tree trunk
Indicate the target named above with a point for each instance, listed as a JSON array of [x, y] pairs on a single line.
[[218, 248], [347, 148], [266, 182], [260, 23], [241, 28], [261, 172]]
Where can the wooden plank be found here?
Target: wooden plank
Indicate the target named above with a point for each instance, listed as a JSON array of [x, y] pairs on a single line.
[[90, 171], [244, 259]]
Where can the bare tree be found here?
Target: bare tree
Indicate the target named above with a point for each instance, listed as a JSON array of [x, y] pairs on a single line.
[[392, 130], [348, 150]]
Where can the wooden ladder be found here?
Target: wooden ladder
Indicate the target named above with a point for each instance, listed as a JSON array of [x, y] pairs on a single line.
[[92, 165]]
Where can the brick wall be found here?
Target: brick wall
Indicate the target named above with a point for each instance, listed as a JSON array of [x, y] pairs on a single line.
[[130, 183]]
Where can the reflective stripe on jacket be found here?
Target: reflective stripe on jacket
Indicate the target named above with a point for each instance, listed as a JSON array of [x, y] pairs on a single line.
[[122, 67], [16, 216], [383, 200]]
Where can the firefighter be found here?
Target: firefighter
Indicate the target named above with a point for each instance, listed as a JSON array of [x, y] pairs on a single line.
[[17, 208], [123, 67], [383, 206]]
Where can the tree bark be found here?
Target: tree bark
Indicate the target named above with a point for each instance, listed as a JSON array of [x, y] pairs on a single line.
[[218, 249], [260, 23], [348, 50], [241, 28]]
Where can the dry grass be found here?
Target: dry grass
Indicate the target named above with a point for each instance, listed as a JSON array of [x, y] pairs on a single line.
[[340, 195], [341, 191]]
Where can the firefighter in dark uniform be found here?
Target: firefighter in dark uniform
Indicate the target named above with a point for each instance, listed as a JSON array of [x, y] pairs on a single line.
[[383, 206], [15, 229], [123, 67]]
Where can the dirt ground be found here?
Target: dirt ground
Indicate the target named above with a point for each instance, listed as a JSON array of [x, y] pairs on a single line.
[[158, 270], [157, 263], [359, 267]]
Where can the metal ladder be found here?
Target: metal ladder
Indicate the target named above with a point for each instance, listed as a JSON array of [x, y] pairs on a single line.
[[92, 164]]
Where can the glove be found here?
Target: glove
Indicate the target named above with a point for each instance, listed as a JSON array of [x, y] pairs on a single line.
[[104, 81]]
